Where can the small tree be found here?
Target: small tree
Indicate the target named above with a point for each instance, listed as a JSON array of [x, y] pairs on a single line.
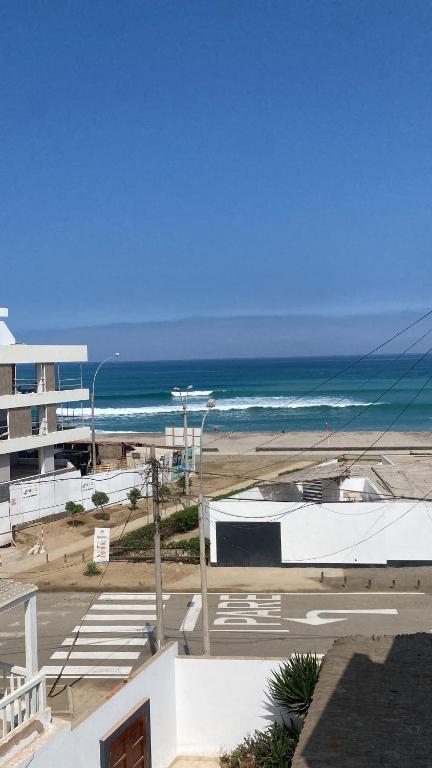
[[181, 483], [134, 495], [74, 509], [99, 499]]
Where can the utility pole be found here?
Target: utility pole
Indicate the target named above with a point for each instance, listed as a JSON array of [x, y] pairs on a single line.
[[203, 561], [186, 464], [160, 639]]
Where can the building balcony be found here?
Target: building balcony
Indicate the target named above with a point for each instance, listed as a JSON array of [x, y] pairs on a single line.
[[30, 398], [72, 432], [22, 689]]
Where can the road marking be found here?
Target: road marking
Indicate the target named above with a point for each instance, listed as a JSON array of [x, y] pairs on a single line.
[[191, 617], [122, 607], [130, 596], [110, 628], [120, 617], [249, 609], [123, 641], [105, 641], [275, 631], [78, 671], [114, 655], [313, 618]]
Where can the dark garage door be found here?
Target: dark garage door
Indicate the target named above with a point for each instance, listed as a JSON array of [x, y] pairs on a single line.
[[248, 544]]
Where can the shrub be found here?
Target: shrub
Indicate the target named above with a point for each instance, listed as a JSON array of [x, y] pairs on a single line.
[[74, 509], [102, 515], [272, 748], [99, 499], [180, 522], [191, 546], [293, 684], [91, 569], [134, 495]]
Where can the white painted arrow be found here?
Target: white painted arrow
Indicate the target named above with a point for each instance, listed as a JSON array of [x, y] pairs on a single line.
[[313, 617]]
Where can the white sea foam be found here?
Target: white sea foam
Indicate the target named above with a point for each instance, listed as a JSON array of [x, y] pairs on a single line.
[[230, 404], [193, 393]]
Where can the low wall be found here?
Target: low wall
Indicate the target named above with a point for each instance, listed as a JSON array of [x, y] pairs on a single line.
[[220, 701], [79, 747]]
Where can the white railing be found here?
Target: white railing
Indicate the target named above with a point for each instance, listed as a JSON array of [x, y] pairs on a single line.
[[25, 700]]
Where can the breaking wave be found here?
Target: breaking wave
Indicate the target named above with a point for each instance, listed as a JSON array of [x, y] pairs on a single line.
[[233, 404]]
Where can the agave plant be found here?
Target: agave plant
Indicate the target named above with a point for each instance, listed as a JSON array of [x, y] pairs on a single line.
[[293, 684]]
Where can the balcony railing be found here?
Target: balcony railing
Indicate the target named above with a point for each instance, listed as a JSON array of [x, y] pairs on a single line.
[[27, 386], [22, 700]]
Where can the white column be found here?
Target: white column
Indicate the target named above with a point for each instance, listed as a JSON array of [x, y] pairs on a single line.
[[30, 621], [5, 468], [40, 377], [46, 459]]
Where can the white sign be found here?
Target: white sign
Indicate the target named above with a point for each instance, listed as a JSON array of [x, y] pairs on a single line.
[[175, 436], [88, 485], [30, 490], [101, 545]]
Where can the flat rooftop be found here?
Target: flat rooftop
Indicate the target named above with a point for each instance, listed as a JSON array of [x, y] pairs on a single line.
[[371, 706], [12, 592]]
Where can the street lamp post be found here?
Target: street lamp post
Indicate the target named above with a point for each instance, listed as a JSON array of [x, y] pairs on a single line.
[[110, 357], [203, 566], [184, 399]]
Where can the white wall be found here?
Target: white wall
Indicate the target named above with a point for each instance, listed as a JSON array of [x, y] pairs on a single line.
[[351, 532], [41, 496], [198, 706], [79, 748], [220, 701]]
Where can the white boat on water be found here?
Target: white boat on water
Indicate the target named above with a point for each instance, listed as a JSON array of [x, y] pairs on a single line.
[[191, 393]]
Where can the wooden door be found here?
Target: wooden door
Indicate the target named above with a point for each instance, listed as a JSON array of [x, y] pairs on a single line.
[[127, 745]]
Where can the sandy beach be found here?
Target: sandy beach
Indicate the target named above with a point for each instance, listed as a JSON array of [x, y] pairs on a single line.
[[289, 443]]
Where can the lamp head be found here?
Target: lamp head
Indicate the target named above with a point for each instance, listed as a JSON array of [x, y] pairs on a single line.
[[116, 354], [190, 387], [210, 403]]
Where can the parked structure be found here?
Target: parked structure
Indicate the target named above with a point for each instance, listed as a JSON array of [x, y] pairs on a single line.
[[337, 519]]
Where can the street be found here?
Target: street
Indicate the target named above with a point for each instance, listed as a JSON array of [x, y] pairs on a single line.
[[110, 634]]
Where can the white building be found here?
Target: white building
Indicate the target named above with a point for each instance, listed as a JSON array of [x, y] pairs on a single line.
[[29, 399], [323, 516], [32, 389]]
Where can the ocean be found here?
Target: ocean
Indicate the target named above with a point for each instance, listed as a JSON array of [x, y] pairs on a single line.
[[265, 394]]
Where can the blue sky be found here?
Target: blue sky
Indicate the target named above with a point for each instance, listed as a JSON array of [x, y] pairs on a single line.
[[167, 159]]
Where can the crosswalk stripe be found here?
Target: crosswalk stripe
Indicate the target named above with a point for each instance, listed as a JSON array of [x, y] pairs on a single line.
[[130, 596], [192, 614], [114, 655], [105, 641], [78, 671], [120, 617], [111, 628], [122, 607]]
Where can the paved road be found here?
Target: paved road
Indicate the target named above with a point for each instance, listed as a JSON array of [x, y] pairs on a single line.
[[114, 631]]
